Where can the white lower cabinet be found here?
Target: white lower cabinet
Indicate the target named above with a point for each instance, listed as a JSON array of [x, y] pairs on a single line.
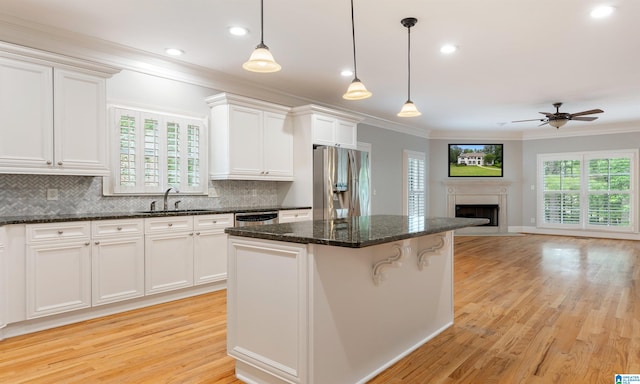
[[58, 268], [3, 281], [210, 248], [117, 260], [182, 251], [168, 253]]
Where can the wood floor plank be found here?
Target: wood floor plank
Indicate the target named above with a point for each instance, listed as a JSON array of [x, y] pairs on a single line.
[[528, 309]]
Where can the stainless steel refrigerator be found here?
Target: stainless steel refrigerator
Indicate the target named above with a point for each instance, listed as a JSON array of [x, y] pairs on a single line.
[[340, 183]]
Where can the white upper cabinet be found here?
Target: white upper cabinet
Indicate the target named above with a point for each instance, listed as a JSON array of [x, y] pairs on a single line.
[[250, 139], [53, 116], [327, 127]]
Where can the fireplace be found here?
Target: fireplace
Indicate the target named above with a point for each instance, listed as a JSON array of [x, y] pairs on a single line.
[[479, 198], [482, 211]]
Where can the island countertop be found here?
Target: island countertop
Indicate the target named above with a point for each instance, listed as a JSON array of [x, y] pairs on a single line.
[[356, 232]]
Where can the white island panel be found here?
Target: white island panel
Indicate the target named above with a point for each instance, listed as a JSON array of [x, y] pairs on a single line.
[[267, 307], [353, 321]]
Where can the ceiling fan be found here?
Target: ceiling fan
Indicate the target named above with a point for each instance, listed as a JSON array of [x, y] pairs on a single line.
[[558, 119]]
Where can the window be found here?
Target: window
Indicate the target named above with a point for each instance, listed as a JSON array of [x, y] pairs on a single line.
[[414, 184], [592, 190], [157, 151]]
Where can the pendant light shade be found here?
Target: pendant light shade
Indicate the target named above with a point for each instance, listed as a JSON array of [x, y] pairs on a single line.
[[261, 59], [409, 109], [356, 90]]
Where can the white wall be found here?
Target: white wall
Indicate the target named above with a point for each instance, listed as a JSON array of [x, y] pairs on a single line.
[[386, 166], [156, 93]]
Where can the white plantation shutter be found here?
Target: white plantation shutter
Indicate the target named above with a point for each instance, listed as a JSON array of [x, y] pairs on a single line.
[[414, 183], [590, 190], [157, 151]]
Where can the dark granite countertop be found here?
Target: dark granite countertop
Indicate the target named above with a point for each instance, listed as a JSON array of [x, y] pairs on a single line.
[[355, 232], [53, 218]]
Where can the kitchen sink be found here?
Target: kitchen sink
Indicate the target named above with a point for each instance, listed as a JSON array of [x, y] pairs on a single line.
[[173, 211]]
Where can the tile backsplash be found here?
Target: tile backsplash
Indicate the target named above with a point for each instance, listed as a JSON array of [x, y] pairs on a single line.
[[27, 195]]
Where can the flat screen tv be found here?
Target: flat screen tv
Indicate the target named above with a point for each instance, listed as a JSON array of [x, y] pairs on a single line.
[[475, 160]]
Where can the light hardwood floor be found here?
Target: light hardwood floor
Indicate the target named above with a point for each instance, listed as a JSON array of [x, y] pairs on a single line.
[[529, 309]]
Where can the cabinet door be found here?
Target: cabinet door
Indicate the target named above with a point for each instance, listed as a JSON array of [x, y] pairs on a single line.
[[3, 283], [245, 141], [323, 130], [58, 277], [278, 146], [168, 261], [80, 123], [346, 133], [26, 113], [117, 269], [210, 256]]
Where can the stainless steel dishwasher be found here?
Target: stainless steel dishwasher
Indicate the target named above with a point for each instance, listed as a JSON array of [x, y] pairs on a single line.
[[256, 218]]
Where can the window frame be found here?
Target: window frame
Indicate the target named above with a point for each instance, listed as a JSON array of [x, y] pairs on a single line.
[[406, 200], [584, 192], [112, 185]]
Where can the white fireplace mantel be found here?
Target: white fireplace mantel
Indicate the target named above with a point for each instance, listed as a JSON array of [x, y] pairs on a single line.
[[479, 191]]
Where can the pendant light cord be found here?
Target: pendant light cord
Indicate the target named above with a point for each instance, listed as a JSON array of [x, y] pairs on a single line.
[[409, 64], [261, 25], [353, 35]]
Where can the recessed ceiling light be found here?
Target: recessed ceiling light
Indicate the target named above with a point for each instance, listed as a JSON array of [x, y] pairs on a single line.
[[238, 31], [602, 11], [448, 49], [174, 51], [346, 73]]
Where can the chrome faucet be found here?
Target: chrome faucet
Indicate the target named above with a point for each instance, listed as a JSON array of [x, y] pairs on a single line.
[[166, 196]]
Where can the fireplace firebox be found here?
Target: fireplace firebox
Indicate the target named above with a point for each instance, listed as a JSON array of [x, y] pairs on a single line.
[[483, 211]]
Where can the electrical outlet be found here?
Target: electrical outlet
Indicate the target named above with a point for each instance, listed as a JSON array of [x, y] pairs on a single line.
[[533, 187], [213, 192], [52, 194], [533, 220]]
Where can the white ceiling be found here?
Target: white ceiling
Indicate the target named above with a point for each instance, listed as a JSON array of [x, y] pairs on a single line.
[[515, 58]]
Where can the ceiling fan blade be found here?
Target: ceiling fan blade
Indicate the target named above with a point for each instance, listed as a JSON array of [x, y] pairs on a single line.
[[520, 121], [589, 112], [584, 118], [547, 113], [546, 122]]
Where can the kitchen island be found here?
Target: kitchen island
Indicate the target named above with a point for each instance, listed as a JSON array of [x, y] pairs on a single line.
[[337, 301]]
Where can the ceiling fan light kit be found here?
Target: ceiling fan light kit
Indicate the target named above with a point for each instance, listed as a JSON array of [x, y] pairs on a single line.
[[409, 109], [558, 119], [261, 59], [356, 90]]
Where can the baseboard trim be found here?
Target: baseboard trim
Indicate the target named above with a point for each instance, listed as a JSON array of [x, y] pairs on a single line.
[[53, 321]]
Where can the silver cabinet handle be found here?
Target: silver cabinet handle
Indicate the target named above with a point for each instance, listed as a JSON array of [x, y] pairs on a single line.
[[119, 228], [59, 162], [97, 243], [215, 221], [60, 232], [198, 233], [87, 243], [49, 162], [170, 224], [191, 234]]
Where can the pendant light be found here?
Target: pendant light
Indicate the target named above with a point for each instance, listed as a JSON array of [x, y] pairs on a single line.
[[261, 59], [409, 109], [356, 90]]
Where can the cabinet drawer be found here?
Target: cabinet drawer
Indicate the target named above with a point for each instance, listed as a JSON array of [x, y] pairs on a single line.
[[57, 231], [206, 222], [168, 224], [108, 228], [294, 215]]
